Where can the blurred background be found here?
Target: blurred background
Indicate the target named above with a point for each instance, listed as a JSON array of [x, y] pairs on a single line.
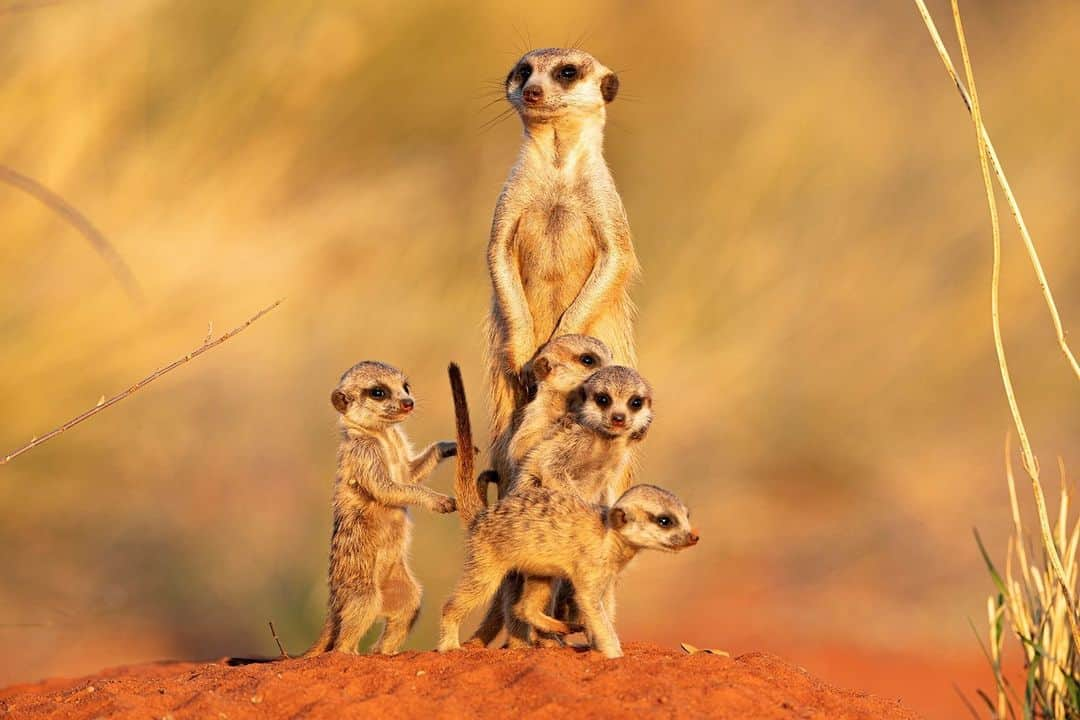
[[804, 191]]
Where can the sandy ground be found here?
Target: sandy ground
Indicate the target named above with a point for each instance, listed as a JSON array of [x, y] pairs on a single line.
[[477, 683]]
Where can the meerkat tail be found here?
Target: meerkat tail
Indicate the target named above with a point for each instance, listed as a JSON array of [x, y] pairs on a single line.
[[469, 500]]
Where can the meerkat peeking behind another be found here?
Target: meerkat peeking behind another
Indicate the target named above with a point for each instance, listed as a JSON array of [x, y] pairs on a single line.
[[559, 255], [559, 368], [378, 476], [555, 534]]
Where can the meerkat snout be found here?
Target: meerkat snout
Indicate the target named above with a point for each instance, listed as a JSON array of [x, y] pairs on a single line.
[[533, 95]]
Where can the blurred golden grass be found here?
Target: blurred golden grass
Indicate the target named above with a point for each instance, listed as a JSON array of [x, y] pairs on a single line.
[[812, 312]]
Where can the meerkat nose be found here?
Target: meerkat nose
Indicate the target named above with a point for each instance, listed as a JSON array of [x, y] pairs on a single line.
[[533, 94], [694, 537], [407, 404], [618, 419]]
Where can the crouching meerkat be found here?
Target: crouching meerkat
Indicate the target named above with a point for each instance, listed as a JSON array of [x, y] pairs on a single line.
[[560, 255], [378, 477], [556, 534]]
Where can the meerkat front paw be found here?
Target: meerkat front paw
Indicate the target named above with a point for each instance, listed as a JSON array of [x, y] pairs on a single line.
[[444, 504], [447, 449]]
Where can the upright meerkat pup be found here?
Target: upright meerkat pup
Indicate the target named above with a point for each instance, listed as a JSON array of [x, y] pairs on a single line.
[[560, 255], [587, 450], [559, 368], [378, 477], [557, 534]]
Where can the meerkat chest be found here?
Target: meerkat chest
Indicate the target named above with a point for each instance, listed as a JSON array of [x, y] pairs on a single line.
[[395, 453], [556, 244]]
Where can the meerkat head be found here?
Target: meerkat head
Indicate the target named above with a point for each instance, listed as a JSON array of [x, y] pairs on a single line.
[[652, 518], [372, 395], [555, 82], [564, 363], [615, 401]]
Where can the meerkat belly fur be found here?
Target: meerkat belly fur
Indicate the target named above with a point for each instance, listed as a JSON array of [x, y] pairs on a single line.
[[553, 533], [378, 476], [560, 255]]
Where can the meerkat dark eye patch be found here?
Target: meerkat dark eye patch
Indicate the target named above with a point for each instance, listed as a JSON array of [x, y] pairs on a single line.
[[609, 87], [566, 75], [523, 72], [378, 392], [665, 521], [636, 403], [405, 387], [588, 360], [602, 399]]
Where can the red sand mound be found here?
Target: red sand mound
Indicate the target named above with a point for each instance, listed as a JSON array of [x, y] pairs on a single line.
[[477, 683]]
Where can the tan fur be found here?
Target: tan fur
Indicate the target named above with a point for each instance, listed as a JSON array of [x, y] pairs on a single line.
[[378, 477], [586, 452], [559, 368], [560, 254], [556, 534]]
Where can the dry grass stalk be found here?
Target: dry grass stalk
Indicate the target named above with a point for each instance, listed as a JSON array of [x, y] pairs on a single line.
[[1014, 207], [104, 403], [77, 220], [1041, 609]]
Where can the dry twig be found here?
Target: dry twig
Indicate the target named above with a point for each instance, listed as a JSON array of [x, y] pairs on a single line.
[[103, 403], [277, 640]]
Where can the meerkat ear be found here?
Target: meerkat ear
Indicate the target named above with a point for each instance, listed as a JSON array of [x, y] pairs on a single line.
[[541, 368], [617, 518], [609, 87], [340, 401]]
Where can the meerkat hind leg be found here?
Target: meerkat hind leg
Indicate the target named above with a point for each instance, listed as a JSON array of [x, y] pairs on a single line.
[[356, 613], [518, 632], [601, 631], [401, 595], [471, 591], [491, 625]]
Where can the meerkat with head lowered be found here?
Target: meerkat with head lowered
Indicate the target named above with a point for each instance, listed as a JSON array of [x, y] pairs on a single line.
[[378, 477], [560, 254]]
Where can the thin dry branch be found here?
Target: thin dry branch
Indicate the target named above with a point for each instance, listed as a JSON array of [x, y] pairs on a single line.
[[78, 221], [280, 647], [105, 403], [1029, 244]]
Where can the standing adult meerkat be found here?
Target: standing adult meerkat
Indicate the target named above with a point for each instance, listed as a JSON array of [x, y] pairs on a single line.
[[378, 476], [560, 255]]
